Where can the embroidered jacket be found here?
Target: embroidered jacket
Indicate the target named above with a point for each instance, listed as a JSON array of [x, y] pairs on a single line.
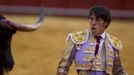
[[80, 48]]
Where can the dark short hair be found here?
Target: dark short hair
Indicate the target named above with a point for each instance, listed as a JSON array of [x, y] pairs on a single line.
[[101, 12]]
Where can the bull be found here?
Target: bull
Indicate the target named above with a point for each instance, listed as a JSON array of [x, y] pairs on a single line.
[[7, 29]]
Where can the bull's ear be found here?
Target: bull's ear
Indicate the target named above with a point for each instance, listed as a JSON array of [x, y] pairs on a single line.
[[24, 27]]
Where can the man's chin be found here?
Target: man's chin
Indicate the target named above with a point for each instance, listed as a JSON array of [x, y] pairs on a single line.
[[93, 32]]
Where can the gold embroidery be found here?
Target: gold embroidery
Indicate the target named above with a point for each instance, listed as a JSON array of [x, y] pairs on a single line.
[[79, 46], [98, 61], [92, 50], [84, 66], [116, 54], [110, 60], [89, 50], [80, 36], [84, 72], [99, 56], [70, 43], [63, 63], [92, 39], [98, 66], [109, 69], [88, 57], [109, 56], [116, 43], [109, 53]]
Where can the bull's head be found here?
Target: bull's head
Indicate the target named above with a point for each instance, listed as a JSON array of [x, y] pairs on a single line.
[[7, 29], [21, 27]]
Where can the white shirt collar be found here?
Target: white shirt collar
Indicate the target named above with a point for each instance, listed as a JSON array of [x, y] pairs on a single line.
[[103, 35]]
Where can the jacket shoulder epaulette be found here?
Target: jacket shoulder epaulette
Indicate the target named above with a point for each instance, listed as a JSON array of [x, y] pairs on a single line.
[[78, 37], [115, 42]]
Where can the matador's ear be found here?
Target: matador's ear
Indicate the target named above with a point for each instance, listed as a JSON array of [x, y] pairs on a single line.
[[105, 24]]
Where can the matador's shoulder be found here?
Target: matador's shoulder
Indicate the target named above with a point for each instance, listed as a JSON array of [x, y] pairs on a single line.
[[79, 37], [115, 42]]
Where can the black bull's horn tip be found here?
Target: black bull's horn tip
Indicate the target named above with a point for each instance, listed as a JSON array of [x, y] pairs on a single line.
[[23, 27]]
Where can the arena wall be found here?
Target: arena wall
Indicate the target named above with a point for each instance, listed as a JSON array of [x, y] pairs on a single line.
[[118, 8]]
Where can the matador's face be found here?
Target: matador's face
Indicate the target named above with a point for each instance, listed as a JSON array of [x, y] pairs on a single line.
[[97, 25]]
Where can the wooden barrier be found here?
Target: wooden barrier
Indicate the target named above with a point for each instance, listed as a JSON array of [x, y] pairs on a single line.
[[119, 8]]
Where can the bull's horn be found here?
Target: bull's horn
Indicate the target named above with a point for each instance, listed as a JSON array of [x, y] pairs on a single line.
[[23, 27]]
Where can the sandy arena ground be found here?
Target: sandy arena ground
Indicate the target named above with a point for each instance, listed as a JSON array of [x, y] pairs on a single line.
[[39, 52]]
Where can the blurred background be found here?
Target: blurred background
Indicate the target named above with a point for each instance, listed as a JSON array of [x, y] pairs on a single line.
[[39, 52]]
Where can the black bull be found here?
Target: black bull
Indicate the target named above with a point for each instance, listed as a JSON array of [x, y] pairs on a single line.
[[7, 30], [6, 58]]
